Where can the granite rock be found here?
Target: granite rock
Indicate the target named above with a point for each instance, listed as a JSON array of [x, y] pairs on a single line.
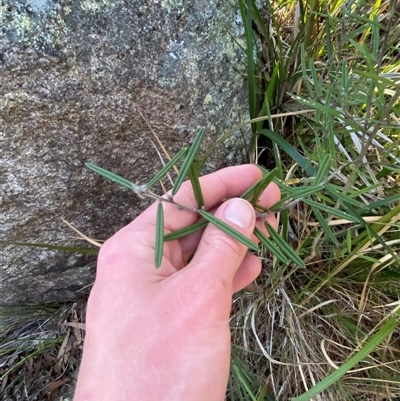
[[91, 80]]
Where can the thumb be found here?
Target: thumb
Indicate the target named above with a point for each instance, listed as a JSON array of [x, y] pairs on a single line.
[[217, 251]]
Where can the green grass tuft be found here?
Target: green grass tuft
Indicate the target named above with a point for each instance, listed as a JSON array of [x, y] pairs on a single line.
[[331, 111]]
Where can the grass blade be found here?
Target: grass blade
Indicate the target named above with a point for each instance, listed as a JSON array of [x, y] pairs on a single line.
[[248, 32], [262, 184], [384, 202], [21, 361], [284, 246], [336, 193], [159, 244], [325, 227], [323, 169], [295, 194], [270, 245], [188, 161], [229, 230], [302, 192], [331, 210], [109, 175], [386, 330], [290, 150], [185, 231], [89, 251], [161, 174], [258, 19]]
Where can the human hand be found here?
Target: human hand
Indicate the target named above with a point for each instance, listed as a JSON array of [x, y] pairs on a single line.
[[163, 334]]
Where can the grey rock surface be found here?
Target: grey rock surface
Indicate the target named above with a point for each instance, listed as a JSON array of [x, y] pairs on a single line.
[[77, 78]]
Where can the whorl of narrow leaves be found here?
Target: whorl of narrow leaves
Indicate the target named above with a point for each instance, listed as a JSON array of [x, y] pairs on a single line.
[[159, 244], [279, 247]]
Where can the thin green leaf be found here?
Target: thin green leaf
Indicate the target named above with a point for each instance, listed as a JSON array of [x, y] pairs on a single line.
[[374, 77], [348, 241], [331, 210], [229, 230], [368, 258], [318, 106], [265, 111], [328, 38], [290, 150], [363, 237], [243, 381], [385, 331], [194, 179], [272, 84], [262, 184], [325, 227], [164, 171], [375, 36], [159, 244], [258, 19], [336, 193], [278, 161], [371, 232], [246, 13], [384, 202], [362, 190], [89, 251], [109, 175], [22, 360], [188, 161], [285, 223], [270, 245], [250, 191], [303, 191], [284, 246], [281, 204], [185, 231], [364, 51], [323, 169], [296, 193]]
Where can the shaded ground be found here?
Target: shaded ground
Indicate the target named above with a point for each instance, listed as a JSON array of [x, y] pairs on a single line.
[[40, 352]]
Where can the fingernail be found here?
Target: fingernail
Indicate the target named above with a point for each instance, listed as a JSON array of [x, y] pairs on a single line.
[[240, 212]]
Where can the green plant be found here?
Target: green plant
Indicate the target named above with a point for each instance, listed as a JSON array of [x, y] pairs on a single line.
[[324, 92], [330, 110], [189, 165]]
